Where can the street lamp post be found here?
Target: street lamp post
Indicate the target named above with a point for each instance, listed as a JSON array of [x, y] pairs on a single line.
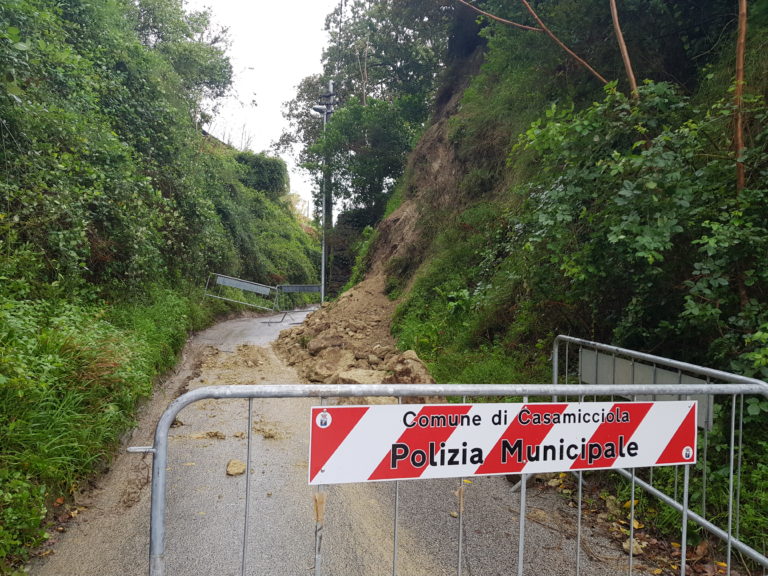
[[325, 107]]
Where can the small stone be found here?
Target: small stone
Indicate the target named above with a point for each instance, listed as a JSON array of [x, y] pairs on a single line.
[[235, 467]]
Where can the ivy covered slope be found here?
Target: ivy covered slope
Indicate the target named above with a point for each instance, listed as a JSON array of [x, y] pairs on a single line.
[[114, 208]]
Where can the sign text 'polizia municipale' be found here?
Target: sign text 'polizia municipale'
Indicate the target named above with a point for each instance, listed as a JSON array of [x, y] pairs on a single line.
[[398, 442]]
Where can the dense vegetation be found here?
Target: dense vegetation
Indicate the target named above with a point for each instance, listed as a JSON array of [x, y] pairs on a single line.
[[115, 207], [597, 212]]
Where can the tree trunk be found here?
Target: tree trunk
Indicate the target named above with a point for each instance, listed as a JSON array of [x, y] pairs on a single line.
[[738, 98], [623, 49]]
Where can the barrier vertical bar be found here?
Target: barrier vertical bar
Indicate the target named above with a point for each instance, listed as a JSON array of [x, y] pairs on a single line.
[[460, 497], [319, 521], [394, 532], [395, 519], [521, 535], [246, 520], [706, 449], [632, 524], [730, 484], [684, 531], [578, 526], [738, 465], [461, 515], [555, 360]]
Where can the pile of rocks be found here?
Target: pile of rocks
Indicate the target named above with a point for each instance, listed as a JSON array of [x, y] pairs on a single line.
[[348, 342]]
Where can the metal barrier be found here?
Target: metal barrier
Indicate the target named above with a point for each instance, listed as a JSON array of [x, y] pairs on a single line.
[[273, 293], [588, 363], [284, 289], [246, 286], [161, 442]]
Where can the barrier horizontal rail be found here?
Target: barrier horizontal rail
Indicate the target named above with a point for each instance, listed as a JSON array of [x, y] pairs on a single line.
[[159, 449], [246, 285], [299, 288], [262, 290]]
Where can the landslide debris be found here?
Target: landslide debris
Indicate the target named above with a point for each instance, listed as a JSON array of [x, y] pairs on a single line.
[[349, 342]]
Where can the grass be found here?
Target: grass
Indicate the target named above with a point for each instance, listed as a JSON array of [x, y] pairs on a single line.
[[70, 378]]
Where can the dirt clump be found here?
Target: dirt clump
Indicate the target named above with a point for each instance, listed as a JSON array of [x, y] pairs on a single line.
[[349, 342]]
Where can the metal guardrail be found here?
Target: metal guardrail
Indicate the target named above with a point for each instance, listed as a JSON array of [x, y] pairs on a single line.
[[588, 363], [161, 442]]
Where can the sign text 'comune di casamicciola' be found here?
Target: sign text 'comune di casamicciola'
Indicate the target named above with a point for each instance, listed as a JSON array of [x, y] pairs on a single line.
[[398, 442]]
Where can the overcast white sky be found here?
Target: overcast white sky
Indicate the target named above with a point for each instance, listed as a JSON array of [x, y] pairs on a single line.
[[274, 45]]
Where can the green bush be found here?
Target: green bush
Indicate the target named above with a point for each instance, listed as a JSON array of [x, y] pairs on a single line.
[[22, 509]]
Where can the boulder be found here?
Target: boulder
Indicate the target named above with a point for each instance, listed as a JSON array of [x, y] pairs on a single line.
[[322, 342], [330, 361], [407, 368]]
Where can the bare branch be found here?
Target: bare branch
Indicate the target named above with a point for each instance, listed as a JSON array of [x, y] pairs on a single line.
[[560, 43], [498, 19]]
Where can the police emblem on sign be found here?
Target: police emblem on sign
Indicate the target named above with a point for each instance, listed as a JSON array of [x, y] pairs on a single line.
[[323, 419]]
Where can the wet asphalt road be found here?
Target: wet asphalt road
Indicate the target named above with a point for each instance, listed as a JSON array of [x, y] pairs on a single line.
[[206, 532]]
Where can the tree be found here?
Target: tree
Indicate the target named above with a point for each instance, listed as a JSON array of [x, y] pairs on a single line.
[[193, 47], [264, 173], [379, 51], [365, 148], [385, 49]]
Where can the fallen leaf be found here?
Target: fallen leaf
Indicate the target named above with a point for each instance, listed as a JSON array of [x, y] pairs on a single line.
[[454, 514], [637, 524], [58, 502], [637, 547], [701, 550]]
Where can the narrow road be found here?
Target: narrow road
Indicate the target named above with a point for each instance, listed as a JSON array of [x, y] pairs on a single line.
[[205, 515]]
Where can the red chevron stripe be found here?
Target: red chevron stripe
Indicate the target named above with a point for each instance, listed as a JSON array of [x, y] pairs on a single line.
[[610, 432], [325, 441], [682, 446], [418, 439], [533, 435]]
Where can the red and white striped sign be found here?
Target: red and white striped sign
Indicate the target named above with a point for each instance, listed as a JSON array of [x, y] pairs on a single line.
[[397, 442]]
